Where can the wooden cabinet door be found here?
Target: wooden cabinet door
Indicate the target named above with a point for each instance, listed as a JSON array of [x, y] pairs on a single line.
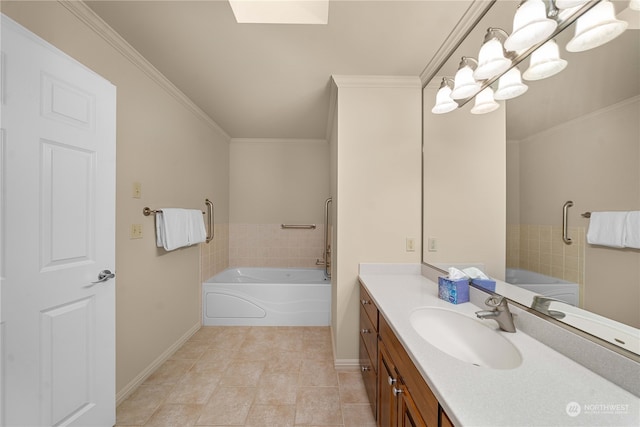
[[387, 405], [408, 415]]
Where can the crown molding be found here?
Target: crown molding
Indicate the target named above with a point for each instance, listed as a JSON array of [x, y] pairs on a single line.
[[471, 17], [86, 15], [376, 81], [276, 140]]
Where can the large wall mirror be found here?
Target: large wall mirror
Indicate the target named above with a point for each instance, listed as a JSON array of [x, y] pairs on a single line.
[[495, 185]]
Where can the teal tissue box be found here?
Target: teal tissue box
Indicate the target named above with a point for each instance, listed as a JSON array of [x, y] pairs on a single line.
[[487, 284], [453, 291]]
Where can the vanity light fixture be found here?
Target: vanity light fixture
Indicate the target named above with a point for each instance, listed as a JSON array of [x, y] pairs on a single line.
[[485, 102], [568, 4], [530, 26], [596, 27], [444, 102], [510, 85], [465, 85], [545, 62], [491, 59]]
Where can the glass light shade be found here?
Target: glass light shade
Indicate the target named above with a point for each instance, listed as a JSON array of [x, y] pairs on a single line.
[[464, 83], [485, 102], [568, 4], [545, 62], [491, 60], [444, 103], [530, 26], [596, 27], [634, 5], [510, 85]]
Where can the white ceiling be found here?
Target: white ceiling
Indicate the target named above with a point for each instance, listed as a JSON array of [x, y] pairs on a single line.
[[272, 80]]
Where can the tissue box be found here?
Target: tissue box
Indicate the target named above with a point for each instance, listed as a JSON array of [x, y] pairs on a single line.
[[453, 291], [487, 284]]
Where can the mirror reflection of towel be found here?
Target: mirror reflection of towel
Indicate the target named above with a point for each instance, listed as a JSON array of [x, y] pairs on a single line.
[[607, 229], [632, 230]]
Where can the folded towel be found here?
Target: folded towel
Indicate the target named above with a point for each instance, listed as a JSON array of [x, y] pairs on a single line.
[[632, 230], [197, 230], [172, 228], [607, 229]]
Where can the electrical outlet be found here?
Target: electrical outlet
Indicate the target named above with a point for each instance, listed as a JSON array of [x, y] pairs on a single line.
[[432, 244], [410, 244], [136, 191], [136, 231]]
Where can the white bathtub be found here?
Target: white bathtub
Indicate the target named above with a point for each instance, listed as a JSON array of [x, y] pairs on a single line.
[[544, 285], [267, 297]]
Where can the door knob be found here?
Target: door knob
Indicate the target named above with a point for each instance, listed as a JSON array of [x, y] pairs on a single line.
[[103, 276]]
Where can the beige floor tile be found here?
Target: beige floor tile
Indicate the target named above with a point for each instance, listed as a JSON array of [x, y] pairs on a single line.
[[358, 415], [170, 372], [218, 356], [194, 387], [171, 415], [352, 388], [314, 373], [227, 406], [191, 350], [271, 415], [242, 373], [206, 333], [140, 406], [284, 362], [277, 389], [318, 406]]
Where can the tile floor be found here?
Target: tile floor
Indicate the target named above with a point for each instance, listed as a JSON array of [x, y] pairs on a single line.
[[250, 376]]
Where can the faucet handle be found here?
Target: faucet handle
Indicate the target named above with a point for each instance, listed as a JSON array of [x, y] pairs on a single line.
[[495, 301]]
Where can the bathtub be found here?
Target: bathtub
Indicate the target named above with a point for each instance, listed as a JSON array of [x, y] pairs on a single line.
[[267, 297], [543, 285]]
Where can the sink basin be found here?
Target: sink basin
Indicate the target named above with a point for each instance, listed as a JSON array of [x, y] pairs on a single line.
[[465, 338]]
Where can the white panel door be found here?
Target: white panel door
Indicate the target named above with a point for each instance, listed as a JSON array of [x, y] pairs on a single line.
[[57, 219]]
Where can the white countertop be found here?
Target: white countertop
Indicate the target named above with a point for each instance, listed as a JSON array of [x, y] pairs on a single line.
[[536, 393]]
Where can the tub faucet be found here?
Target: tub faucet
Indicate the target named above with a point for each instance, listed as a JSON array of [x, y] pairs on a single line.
[[500, 313], [541, 305]]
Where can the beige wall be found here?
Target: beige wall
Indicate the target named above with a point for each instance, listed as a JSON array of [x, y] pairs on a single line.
[[179, 158], [274, 182], [592, 161], [376, 156], [465, 186]]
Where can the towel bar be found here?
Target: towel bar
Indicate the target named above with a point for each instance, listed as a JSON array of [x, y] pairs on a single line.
[[586, 215], [299, 226], [148, 211]]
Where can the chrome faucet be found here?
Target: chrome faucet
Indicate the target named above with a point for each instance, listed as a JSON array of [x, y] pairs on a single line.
[[541, 304], [500, 313]]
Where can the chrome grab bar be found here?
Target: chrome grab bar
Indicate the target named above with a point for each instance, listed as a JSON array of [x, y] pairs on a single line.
[[299, 226], [210, 220], [148, 211], [565, 227], [327, 246]]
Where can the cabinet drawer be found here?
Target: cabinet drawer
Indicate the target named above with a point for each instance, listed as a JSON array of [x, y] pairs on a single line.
[[369, 307], [367, 367], [369, 336]]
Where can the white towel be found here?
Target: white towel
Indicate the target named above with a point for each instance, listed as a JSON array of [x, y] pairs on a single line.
[[172, 228], [607, 229], [632, 230], [197, 230]]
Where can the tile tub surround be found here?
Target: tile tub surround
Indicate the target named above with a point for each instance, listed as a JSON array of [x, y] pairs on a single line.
[[251, 376], [268, 245], [214, 256], [538, 392]]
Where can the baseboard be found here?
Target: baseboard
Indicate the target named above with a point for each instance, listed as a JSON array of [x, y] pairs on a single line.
[[347, 364], [146, 373]]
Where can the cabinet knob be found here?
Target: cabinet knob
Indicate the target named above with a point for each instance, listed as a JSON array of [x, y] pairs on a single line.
[[365, 368], [365, 331], [396, 391], [391, 381], [365, 302]]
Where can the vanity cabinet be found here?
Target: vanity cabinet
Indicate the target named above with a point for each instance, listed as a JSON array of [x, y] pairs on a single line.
[[398, 394], [369, 346]]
